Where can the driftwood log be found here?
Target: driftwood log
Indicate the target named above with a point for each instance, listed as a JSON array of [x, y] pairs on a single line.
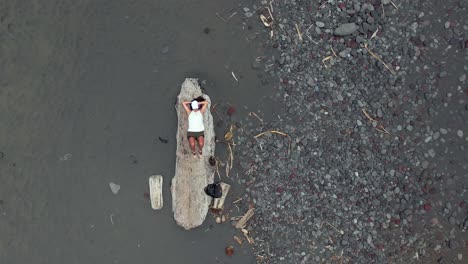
[[155, 186], [189, 202]]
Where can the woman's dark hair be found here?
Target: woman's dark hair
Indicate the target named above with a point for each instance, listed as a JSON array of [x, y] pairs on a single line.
[[198, 99]]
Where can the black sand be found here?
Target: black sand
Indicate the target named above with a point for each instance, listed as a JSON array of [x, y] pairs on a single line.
[[87, 88]]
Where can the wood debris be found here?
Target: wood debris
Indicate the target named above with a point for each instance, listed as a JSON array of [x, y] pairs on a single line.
[[255, 115], [243, 221], [271, 131], [299, 34], [213, 109], [327, 59], [337, 230], [235, 78], [379, 59], [246, 234], [238, 240], [379, 127]]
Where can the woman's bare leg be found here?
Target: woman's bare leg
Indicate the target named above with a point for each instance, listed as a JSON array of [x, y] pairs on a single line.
[[192, 145], [201, 143]]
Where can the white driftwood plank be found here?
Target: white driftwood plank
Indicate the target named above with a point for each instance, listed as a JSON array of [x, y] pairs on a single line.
[[218, 203], [190, 204], [155, 185]]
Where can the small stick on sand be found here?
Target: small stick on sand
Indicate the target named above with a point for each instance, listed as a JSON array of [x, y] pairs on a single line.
[[225, 142], [233, 14], [339, 231], [231, 157], [368, 116], [238, 240], [374, 34], [238, 200], [271, 131], [221, 18], [213, 108], [326, 59], [253, 114], [243, 221], [379, 59], [334, 53], [394, 5], [299, 32], [111, 218], [235, 78]]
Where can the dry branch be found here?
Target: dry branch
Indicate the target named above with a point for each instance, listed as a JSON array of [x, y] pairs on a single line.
[[379, 59], [243, 221], [271, 131]]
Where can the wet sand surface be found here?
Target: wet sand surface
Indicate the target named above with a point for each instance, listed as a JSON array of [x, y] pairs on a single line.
[[87, 87]]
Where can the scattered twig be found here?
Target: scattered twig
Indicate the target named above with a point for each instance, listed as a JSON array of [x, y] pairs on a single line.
[[246, 234], [243, 221], [233, 14], [271, 131], [339, 231], [111, 217], [379, 59], [213, 108], [374, 34], [326, 59], [394, 5], [238, 240], [238, 200], [299, 34], [221, 17], [254, 114], [231, 156], [225, 142], [235, 78], [381, 128], [368, 116], [334, 53]]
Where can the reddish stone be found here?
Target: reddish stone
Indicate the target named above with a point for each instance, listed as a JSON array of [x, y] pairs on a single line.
[[229, 250], [285, 80], [396, 221], [342, 5], [231, 110], [427, 206]]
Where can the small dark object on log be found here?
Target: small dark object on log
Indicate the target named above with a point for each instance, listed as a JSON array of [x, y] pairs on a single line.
[[212, 161], [163, 140], [229, 250]]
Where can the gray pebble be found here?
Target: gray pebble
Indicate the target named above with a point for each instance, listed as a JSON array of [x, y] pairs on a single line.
[[319, 24], [460, 133], [462, 78], [165, 50], [346, 29], [442, 74]]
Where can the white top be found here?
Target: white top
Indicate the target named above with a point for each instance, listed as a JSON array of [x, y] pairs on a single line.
[[195, 122]]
